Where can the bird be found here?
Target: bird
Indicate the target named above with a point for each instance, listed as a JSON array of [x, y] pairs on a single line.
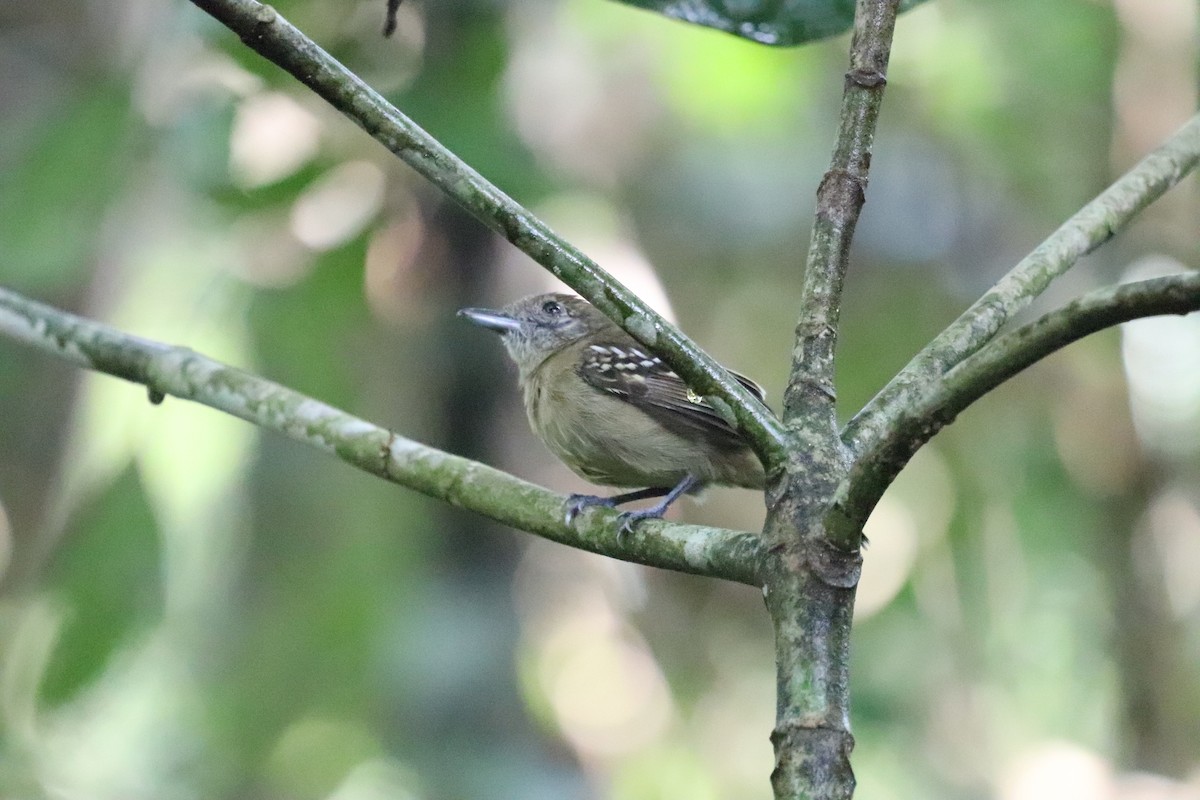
[[614, 412]]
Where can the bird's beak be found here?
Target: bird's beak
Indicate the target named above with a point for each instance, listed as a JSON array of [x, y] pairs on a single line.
[[496, 321]]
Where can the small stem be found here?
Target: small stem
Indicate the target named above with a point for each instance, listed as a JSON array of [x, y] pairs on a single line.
[[1092, 226], [988, 368], [810, 393], [277, 40], [183, 373]]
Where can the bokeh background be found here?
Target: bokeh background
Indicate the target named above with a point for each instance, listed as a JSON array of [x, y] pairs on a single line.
[[191, 608]]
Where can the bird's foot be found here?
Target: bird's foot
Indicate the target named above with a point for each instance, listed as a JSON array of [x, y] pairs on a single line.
[[576, 503], [630, 519]]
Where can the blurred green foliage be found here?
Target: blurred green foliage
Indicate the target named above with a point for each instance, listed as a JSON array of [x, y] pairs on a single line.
[[91, 133], [192, 609]]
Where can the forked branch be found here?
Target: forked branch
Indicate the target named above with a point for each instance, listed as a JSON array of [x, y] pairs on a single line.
[[1092, 226], [998, 361]]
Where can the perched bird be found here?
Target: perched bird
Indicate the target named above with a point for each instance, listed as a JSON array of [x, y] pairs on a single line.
[[614, 413]]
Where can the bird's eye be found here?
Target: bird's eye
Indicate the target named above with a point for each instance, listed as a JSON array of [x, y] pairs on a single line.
[[552, 307]]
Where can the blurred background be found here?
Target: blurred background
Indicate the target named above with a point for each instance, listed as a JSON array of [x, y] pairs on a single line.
[[191, 608]]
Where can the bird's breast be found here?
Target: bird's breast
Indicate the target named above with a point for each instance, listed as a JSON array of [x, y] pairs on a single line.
[[603, 439]]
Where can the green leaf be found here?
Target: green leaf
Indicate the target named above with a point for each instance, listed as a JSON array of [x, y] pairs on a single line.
[[781, 23]]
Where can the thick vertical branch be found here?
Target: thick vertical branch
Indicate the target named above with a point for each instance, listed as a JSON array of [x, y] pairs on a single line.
[[810, 583], [812, 618], [840, 197]]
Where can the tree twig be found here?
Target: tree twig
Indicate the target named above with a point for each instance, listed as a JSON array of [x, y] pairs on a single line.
[[1091, 227], [273, 37], [183, 373], [840, 197], [998, 361]]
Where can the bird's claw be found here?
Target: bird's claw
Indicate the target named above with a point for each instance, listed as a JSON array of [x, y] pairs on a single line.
[[630, 519], [576, 503]]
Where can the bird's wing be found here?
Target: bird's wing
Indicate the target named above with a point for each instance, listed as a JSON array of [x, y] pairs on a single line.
[[626, 371]]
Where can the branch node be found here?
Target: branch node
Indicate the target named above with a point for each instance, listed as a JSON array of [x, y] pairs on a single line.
[[385, 453], [814, 727], [840, 195], [819, 751], [838, 568], [866, 78]]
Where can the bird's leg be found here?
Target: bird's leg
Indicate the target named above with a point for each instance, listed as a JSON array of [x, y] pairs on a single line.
[[578, 502], [629, 519]]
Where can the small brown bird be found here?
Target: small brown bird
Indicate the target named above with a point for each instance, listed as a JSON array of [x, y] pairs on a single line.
[[614, 413]]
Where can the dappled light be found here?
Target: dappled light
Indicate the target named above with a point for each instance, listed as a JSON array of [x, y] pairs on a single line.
[[338, 205], [894, 533], [272, 137], [1161, 357], [1171, 537]]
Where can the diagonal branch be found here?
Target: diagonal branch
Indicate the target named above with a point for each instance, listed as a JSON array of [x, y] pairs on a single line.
[[988, 368], [1091, 227], [277, 40], [840, 199], [183, 373]]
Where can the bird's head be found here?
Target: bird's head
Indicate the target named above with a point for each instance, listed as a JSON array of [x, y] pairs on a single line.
[[535, 328]]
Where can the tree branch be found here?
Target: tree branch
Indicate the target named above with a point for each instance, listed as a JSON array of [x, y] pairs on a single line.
[[1091, 227], [840, 199], [812, 582], [183, 373], [277, 40], [1003, 358]]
